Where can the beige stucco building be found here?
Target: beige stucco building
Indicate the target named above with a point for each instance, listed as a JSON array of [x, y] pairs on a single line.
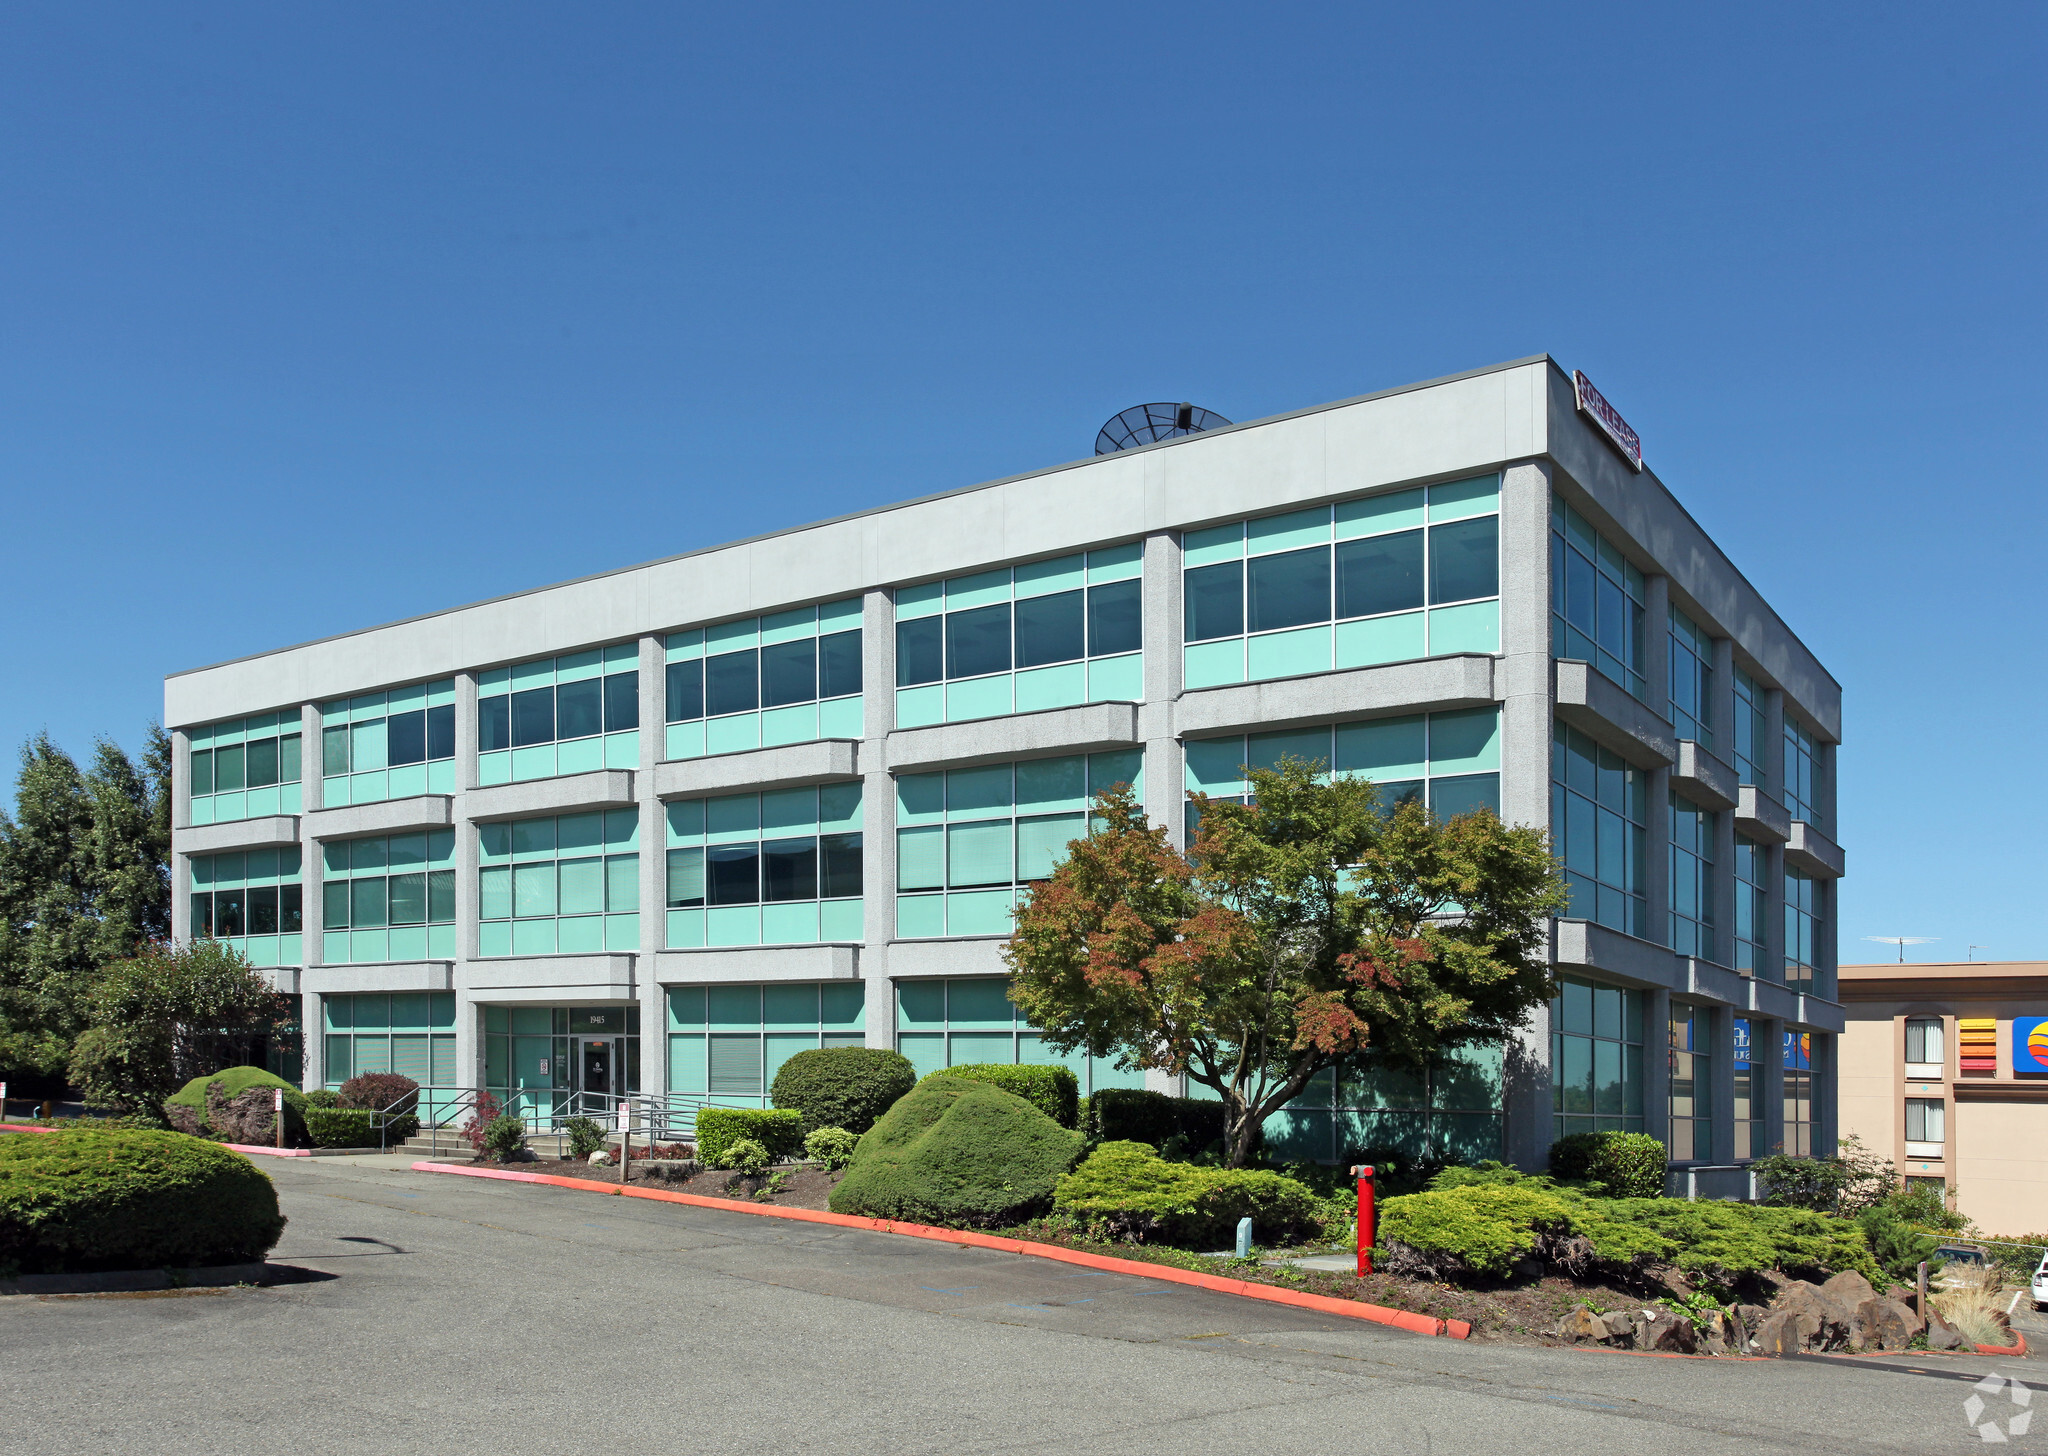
[[1944, 1069]]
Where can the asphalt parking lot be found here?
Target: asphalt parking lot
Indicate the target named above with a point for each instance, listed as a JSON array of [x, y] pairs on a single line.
[[460, 1315]]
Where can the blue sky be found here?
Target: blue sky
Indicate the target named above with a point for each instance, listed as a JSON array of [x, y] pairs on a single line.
[[312, 317]]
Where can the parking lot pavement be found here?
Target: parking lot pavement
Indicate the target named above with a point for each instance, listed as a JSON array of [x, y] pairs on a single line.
[[459, 1315]]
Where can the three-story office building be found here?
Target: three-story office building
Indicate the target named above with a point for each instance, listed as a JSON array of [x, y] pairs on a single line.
[[661, 828]]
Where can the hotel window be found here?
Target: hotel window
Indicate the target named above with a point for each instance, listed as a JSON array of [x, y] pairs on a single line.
[[971, 839], [1596, 600], [559, 715], [1801, 751], [244, 768], [966, 1021], [1448, 761], [1752, 905], [1751, 734], [1050, 634], [389, 745], [560, 885], [1749, 1095], [1692, 680], [726, 1043], [1412, 573], [1692, 1094], [1802, 929], [1925, 1056], [788, 677], [252, 902], [391, 898], [1596, 1058], [779, 868], [1926, 1127], [1798, 1085], [1692, 879], [1596, 808]]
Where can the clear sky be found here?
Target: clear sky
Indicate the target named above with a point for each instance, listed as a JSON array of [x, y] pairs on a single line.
[[316, 316]]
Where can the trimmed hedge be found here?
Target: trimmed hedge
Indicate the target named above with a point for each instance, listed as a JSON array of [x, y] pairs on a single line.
[[1482, 1222], [185, 1109], [81, 1201], [1131, 1114], [356, 1127], [959, 1153], [1142, 1197], [845, 1087], [1053, 1090], [1628, 1164], [781, 1132], [375, 1091]]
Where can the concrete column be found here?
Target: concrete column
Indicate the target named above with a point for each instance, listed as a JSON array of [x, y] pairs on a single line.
[[1771, 943], [1721, 1088], [1767, 1064], [1825, 1094], [1771, 752], [1721, 700], [312, 756], [653, 865], [1657, 1064], [1524, 682], [465, 731], [311, 796], [878, 815], [1165, 778], [1657, 856], [314, 1045], [1657, 644], [181, 818], [466, 935]]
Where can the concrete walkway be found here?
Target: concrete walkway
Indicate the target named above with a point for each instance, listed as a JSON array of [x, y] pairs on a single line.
[[465, 1316]]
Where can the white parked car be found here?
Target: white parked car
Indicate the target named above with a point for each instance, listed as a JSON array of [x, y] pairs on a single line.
[[2040, 1290]]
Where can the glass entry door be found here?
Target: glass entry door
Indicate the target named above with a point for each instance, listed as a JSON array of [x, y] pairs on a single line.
[[598, 1066]]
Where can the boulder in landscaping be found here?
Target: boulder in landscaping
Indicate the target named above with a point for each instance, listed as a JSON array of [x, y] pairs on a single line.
[[1941, 1335], [959, 1153], [1823, 1320], [1663, 1330], [1779, 1335], [1882, 1324], [1582, 1324], [1848, 1289]]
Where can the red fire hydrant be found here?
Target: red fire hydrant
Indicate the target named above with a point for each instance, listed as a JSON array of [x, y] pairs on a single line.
[[1367, 1218]]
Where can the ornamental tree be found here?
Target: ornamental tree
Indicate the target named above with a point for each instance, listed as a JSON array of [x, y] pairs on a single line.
[[1306, 926], [168, 1014]]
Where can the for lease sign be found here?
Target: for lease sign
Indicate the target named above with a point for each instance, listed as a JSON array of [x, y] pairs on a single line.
[[1595, 407]]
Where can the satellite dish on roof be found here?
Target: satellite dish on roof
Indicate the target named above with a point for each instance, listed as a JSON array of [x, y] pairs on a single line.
[[1144, 424]]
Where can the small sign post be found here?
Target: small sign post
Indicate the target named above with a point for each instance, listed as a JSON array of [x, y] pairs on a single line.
[[625, 1140], [3, 1102], [277, 1117], [1367, 1218]]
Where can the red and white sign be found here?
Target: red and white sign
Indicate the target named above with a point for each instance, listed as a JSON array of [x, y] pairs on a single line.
[[1594, 406]]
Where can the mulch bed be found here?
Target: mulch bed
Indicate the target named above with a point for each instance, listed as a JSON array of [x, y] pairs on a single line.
[[800, 1187], [1525, 1312]]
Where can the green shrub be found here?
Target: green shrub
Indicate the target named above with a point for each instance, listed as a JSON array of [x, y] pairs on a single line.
[[1721, 1242], [960, 1153], [1141, 1196], [1132, 1114], [130, 1200], [585, 1136], [1053, 1090], [322, 1097], [356, 1127], [1896, 1247], [745, 1157], [505, 1137], [831, 1146], [781, 1131], [185, 1108], [845, 1087], [1627, 1164], [375, 1091]]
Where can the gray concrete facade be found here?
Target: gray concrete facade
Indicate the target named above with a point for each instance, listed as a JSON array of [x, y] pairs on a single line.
[[1515, 420]]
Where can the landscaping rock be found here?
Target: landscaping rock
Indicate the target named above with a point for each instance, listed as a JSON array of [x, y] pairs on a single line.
[[1779, 1335], [1941, 1335], [1666, 1331], [1823, 1320], [1849, 1289], [1621, 1330], [1722, 1335], [1748, 1319], [1880, 1324], [1581, 1324], [600, 1159]]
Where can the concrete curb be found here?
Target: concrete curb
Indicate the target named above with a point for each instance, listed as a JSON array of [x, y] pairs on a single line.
[[130, 1281], [1421, 1324], [259, 1149]]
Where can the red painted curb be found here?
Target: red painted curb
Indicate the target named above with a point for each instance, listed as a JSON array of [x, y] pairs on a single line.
[[2019, 1349], [23, 1127], [270, 1152], [1421, 1324]]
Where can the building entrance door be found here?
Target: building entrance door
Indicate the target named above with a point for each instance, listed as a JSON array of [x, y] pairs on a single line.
[[597, 1074]]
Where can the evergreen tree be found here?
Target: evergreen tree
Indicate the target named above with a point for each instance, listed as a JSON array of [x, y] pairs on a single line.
[[84, 880]]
